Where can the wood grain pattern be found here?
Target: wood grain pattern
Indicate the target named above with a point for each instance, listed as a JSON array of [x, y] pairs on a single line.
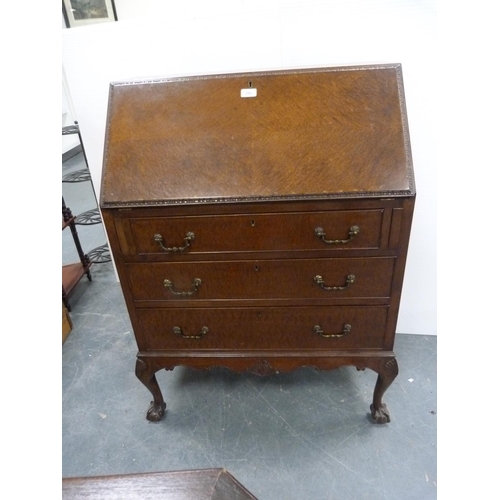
[[276, 232], [328, 133], [262, 279], [253, 179], [206, 484], [267, 328]]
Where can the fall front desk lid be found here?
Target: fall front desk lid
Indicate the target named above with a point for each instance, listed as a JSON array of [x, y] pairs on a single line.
[[299, 134]]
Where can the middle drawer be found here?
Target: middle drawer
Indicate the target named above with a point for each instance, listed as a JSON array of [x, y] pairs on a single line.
[[262, 279]]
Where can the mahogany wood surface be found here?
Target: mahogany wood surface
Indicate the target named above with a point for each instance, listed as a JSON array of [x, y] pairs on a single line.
[[310, 132], [71, 275], [259, 232], [250, 328], [205, 484], [262, 233], [267, 279]]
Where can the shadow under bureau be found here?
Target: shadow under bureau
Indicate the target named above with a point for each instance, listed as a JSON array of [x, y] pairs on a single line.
[[261, 221]]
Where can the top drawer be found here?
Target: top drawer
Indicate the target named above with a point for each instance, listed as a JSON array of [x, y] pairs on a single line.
[[339, 230]]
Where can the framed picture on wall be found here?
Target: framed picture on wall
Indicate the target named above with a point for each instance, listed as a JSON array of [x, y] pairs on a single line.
[[84, 12]]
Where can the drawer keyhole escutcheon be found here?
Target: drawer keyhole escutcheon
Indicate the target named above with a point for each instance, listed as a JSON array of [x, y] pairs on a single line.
[[321, 283], [320, 233], [347, 328], [187, 240], [196, 283], [178, 331]]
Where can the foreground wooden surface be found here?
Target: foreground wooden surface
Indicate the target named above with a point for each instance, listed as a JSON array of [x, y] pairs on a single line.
[[207, 484]]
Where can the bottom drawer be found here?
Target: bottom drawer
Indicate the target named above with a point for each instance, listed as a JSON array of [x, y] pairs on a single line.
[[263, 328]]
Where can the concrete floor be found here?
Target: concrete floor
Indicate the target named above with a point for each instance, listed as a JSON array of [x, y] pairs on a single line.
[[303, 435]]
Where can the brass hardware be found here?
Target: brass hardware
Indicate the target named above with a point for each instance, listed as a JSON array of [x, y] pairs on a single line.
[[317, 329], [178, 331], [353, 231], [348, 282], [196, 283], [187, 239]]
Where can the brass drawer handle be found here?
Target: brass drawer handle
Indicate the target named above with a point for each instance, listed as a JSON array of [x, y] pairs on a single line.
[[321, 283], [187, 239], [178, 331], [317, 329], [353, 231], [196, 283]]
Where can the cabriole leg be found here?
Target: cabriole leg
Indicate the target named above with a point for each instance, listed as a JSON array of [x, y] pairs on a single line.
[[146, 374], [387, 372]]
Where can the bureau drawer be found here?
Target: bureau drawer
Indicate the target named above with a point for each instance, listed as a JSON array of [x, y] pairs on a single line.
[[265, 328], [339, 230], [337, 278]]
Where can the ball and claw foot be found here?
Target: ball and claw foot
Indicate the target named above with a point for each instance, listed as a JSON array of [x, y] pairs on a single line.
[[156, 411], [380, 415]]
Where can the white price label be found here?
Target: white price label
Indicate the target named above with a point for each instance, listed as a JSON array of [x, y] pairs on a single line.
[[248, 93]]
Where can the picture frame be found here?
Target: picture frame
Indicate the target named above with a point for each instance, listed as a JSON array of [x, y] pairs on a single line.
[[84, 12]]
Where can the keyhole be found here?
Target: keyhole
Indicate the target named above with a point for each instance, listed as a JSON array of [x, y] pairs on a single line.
[[252, 223], [256, 268], [250, 85]]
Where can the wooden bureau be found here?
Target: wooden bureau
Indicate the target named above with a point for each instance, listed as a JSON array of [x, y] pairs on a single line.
[[261, 221]]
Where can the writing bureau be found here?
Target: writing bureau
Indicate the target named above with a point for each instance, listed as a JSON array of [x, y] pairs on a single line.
[[261, 221]]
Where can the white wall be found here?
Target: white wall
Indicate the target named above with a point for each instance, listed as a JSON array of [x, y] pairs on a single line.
[[200, 37], [68, 116]]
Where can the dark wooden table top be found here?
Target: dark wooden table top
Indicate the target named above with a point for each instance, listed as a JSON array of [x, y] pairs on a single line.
[[203, 484]]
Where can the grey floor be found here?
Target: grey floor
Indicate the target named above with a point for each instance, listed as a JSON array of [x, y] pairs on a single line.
[[303, 435]]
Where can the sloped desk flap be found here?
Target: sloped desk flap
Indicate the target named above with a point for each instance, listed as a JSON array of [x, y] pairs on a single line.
[[318, 133]]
